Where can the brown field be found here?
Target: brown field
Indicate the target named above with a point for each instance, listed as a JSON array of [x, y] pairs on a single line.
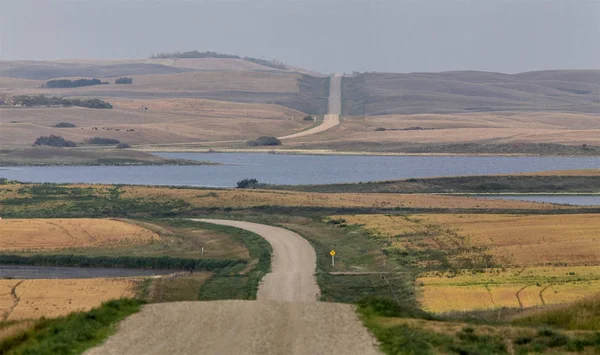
[[33, 299], [32, 234], [496, 128], [165, 121], [237, 198], [512, 240], [511, 288]]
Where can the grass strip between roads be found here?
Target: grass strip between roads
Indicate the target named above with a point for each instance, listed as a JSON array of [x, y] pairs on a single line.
[[72, 334], [236, 283]]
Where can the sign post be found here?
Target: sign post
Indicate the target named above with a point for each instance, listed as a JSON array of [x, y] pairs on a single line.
[[332, 253]]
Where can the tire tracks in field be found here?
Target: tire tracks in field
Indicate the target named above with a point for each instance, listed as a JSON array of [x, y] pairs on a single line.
[[15, 301]]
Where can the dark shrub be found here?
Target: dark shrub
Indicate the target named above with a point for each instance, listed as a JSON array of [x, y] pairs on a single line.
[[124, 80], [247, 183], [123, 146], [66, 83], [102, 141], [64, 125], [308, 118], [54, 141], [41, 100], [380, 129], [264, 140]]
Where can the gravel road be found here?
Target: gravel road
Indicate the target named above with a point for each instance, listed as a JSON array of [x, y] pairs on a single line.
[[285, 319], [334, 110]]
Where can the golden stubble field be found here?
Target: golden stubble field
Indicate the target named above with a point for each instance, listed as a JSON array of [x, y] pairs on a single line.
[[240, 198], [491, 128], [545, 259], [510, 288], [33, 299], [166, 121], [37, 234], [513, 240]]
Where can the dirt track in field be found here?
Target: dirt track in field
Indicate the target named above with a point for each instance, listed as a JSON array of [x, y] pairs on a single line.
[[286, 319], [332, 118]]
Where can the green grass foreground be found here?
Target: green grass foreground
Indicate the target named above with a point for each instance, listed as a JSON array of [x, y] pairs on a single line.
[[71, 334], [401, 330]]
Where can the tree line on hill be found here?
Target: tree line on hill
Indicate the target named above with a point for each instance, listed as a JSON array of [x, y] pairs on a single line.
[[58, 141], [124, 80], [209, 54], [41, 100], [66, 83]]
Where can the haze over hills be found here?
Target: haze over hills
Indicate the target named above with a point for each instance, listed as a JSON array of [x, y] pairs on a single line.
[[221, 101], [469, 91]]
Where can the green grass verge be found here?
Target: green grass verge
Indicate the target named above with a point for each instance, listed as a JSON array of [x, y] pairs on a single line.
[[381, 317], [234, 283], [72, 334], [581, 315]]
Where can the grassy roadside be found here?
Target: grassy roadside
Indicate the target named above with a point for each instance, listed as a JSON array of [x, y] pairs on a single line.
[[490, 184], [400, 332], [72, 334]]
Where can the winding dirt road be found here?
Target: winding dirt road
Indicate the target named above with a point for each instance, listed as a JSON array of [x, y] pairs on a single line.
[[334, 110], [285, 319]]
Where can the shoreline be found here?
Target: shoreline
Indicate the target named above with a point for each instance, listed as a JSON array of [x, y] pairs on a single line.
[[340, 153]]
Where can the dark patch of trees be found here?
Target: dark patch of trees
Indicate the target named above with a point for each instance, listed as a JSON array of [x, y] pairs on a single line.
[[208, 54], [41, 100], [102, 141], [123, 146], [248, 184], [124, 80], [131, 262], [264, 140], [64, 125], [308, 118], [54, 141], [66, 83]]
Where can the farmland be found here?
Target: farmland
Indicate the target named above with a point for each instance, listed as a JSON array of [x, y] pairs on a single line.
[[33, 299], [510, 240], [36, 234], [507, 288]]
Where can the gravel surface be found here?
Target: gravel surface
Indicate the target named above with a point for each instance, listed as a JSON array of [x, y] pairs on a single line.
[[285, 319]]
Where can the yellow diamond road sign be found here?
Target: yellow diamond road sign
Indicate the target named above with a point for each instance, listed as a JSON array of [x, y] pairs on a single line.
[[332, 252]]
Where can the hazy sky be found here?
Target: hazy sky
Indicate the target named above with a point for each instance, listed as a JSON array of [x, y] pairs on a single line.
[[323, 35]]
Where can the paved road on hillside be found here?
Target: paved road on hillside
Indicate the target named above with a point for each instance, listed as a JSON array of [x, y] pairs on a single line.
[[286, 319], [334, 110]]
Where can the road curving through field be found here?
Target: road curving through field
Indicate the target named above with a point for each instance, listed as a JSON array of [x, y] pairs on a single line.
[[285, 319], [334, 110], [293, 265]]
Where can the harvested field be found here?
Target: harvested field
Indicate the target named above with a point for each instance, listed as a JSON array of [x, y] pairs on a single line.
[[33, 299], [512, 240], [237, 198], [488, 128], [165, 121], [32, 234], [511, 288]]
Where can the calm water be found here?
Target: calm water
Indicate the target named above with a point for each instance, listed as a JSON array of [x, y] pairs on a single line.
[[579, 200], [293, 169], [52, 272]]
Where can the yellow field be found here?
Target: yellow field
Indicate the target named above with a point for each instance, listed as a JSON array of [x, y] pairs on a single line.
[[512, 288], [20, 234], [237, 198], [32, 299], [504, 127], [512, 240]]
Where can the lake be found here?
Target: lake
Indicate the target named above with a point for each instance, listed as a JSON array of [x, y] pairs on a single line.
[[53, 272], [293, 169], [577, 200]]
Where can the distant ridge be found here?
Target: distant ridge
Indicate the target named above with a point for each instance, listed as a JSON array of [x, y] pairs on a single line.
[[471, 91]]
